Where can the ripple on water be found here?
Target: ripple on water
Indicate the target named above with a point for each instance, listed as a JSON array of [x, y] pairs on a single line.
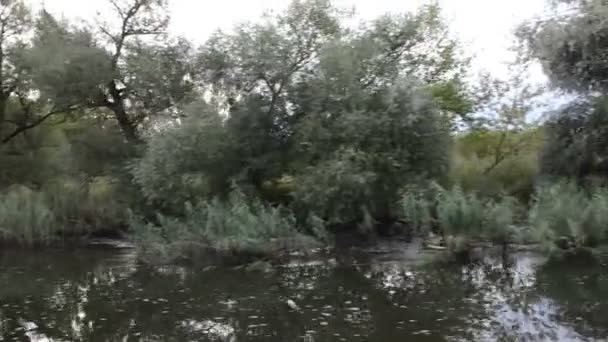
[[381, 298]]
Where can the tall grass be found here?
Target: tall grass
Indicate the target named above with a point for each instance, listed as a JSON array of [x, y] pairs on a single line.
[[566, 215], [237, 225], [416, 211], [462, 218], [25, 217], [85, 206], [58, 210]]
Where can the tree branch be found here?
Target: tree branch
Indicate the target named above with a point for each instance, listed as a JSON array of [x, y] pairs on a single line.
[[22, 129]]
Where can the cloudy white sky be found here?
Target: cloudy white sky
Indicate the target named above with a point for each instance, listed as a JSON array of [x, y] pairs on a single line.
[[485, 26]]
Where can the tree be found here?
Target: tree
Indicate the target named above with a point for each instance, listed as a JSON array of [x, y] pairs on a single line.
[[134, 79], [187, 162], [572, 46], [352, 169], [279, 75], [14, 18], [14, 21], [577, 140]]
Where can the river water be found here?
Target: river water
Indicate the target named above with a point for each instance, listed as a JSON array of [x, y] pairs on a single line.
[[386, 294]]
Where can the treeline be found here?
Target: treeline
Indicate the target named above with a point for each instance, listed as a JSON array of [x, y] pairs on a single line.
[[284, 131]]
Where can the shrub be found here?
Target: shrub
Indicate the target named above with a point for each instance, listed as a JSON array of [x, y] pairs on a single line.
[[84, 206], [416, 211], [462, 217], [577, 141], [63, 208], [25, 217], [188, 162], [500, 220], [565, 215], [339, 190], [235, 225], [486, 163]]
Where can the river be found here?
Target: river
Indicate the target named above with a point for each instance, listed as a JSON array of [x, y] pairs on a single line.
[[385, 294]]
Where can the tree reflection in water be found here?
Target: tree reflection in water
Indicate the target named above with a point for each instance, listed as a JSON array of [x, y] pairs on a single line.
[[105, 296]]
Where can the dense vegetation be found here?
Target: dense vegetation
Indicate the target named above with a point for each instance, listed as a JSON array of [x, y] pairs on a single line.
[[289, 129]]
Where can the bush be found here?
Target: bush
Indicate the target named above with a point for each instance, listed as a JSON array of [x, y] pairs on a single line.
[[25, 217], [462, 217], [565, 215], [577, 141], [188, 162], [61, 209], [460, 214], [83, 206], [416, 211], [340, 190], [485, 163], [237, 225]]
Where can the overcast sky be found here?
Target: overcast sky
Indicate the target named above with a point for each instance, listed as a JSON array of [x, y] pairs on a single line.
[[485, 26]]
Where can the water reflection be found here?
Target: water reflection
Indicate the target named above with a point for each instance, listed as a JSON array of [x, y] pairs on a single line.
[[381, 296]]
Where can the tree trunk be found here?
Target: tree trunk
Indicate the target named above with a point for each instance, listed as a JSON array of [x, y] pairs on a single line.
[[2, 110], [128, 128], [117, 106]]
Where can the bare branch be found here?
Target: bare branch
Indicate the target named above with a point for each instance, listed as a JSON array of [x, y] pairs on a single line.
[[118, 9], [108, 33]]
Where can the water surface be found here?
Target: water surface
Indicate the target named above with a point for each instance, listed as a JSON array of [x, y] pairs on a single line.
[[384, 295]]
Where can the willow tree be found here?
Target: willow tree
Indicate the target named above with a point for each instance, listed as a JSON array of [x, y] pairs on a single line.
[[573, 49], [572, 45], [127, 69], [14, 22], [351, 115], [303, 63]]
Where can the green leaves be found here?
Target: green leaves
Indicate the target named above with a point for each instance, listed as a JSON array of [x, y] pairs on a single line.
[[68, 66], [572, 47], [186, 162], [565, 211]]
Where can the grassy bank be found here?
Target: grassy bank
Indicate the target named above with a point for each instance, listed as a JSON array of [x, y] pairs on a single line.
[[560, 216], [235, 227], [60, 212]]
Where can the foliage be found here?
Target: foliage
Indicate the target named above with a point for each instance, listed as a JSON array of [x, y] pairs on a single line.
[[417, 211], [187, 162], [236, 224], [572, 46], [62, 209], [79, 71], [319, 126], [462, 218], [565, 215], [25, 217], [577, 140], [492, 163], [460, 214], [359, 162]]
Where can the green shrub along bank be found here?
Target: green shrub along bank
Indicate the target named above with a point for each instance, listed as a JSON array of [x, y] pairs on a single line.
[[463, 219], [60, 211], [235, 225], [564, 215], [560, 216]]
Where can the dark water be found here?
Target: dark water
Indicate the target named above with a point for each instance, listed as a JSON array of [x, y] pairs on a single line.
[[384, 296]]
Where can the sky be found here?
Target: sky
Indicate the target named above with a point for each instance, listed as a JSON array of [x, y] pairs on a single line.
[[484, 26]]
